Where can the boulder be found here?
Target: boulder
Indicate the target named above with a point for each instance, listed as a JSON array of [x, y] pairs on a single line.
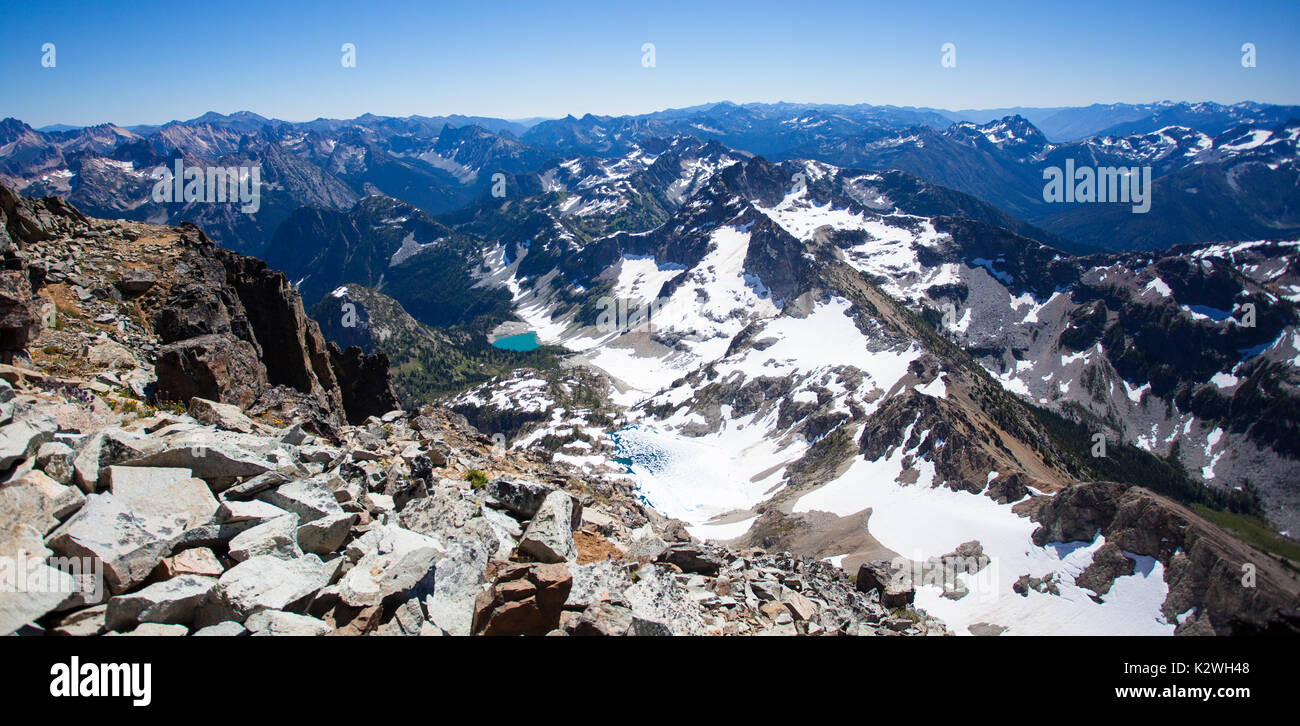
[[21, 439], [520, 497], [37, 500], [658, 598], [110, 354], [215, 462], [83, 622], [170, 601], [196, 561], [157, 630], [264, 583], [19, 320], [549, 536], [458, 579], [599, 581], [135, 282], [398, 561], [893, 583], [102, 449], [697, 558], [252, 486], [603, 618], [226, 629], [218, 367], [326, 534], [129, 544], [250, 513], [222, 415], [18, 608], [310, 499], [525, 599], [277, 622], [55, 459], [276, 538], [163, 491]]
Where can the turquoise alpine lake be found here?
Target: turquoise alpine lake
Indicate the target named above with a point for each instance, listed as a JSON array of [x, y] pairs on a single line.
[[521, 342]]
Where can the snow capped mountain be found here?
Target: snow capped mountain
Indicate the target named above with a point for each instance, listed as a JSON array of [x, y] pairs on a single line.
[[772, 381]]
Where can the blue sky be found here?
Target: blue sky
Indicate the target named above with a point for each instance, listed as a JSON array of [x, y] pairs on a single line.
[[153, 62]]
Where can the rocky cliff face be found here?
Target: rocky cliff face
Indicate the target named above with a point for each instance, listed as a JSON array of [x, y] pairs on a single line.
[[215, 324], [1217, 584]]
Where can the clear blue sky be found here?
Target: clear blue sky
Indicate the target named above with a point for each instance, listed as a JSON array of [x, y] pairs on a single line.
[[150, 62]]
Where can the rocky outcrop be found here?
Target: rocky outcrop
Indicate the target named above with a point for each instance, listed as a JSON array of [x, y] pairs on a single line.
[[223, 293], [218, 522], [1217, 584], [21, 220], [216, 324], [363, 381]]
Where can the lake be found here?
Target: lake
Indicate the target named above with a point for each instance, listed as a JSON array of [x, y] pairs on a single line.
[[521, 342]]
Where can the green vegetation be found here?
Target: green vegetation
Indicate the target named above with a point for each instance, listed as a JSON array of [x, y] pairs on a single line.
[[477, 479], [1129, 464], [1254, 531]]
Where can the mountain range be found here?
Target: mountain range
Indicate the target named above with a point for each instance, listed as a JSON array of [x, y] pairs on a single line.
[[858, 334]]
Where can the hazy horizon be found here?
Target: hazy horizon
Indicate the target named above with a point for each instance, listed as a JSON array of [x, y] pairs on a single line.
[[531, 120]]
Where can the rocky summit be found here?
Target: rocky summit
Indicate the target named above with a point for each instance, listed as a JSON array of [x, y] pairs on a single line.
[[184, 454]]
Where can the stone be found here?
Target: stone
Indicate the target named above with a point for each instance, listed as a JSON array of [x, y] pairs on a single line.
[[102, 449], [399, 560], [604, 619], [326, 534], [264, 583], [310, 499], [170, 601], [800, 607], [276, 538], [128, 543], [892, 582], [163, 491], [17, 609], [218, 367], [250, 512], [195, 561], [227, 629], [408, 620], [377, 504], [157, 630], [657, 597], [600, 581], [458, 579], [110, 354], [217, 461], [525, 599], [135, 282], [55, 459], [549, 536], [276, 622], [83, 622], [37, 500], [518, 496], [691, 557], [222, 415], [20, 440], [251, 487]]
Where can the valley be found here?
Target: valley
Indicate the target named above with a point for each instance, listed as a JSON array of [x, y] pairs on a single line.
[[859, 337]]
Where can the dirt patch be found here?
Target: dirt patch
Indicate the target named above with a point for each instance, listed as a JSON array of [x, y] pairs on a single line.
[[592, 547]]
